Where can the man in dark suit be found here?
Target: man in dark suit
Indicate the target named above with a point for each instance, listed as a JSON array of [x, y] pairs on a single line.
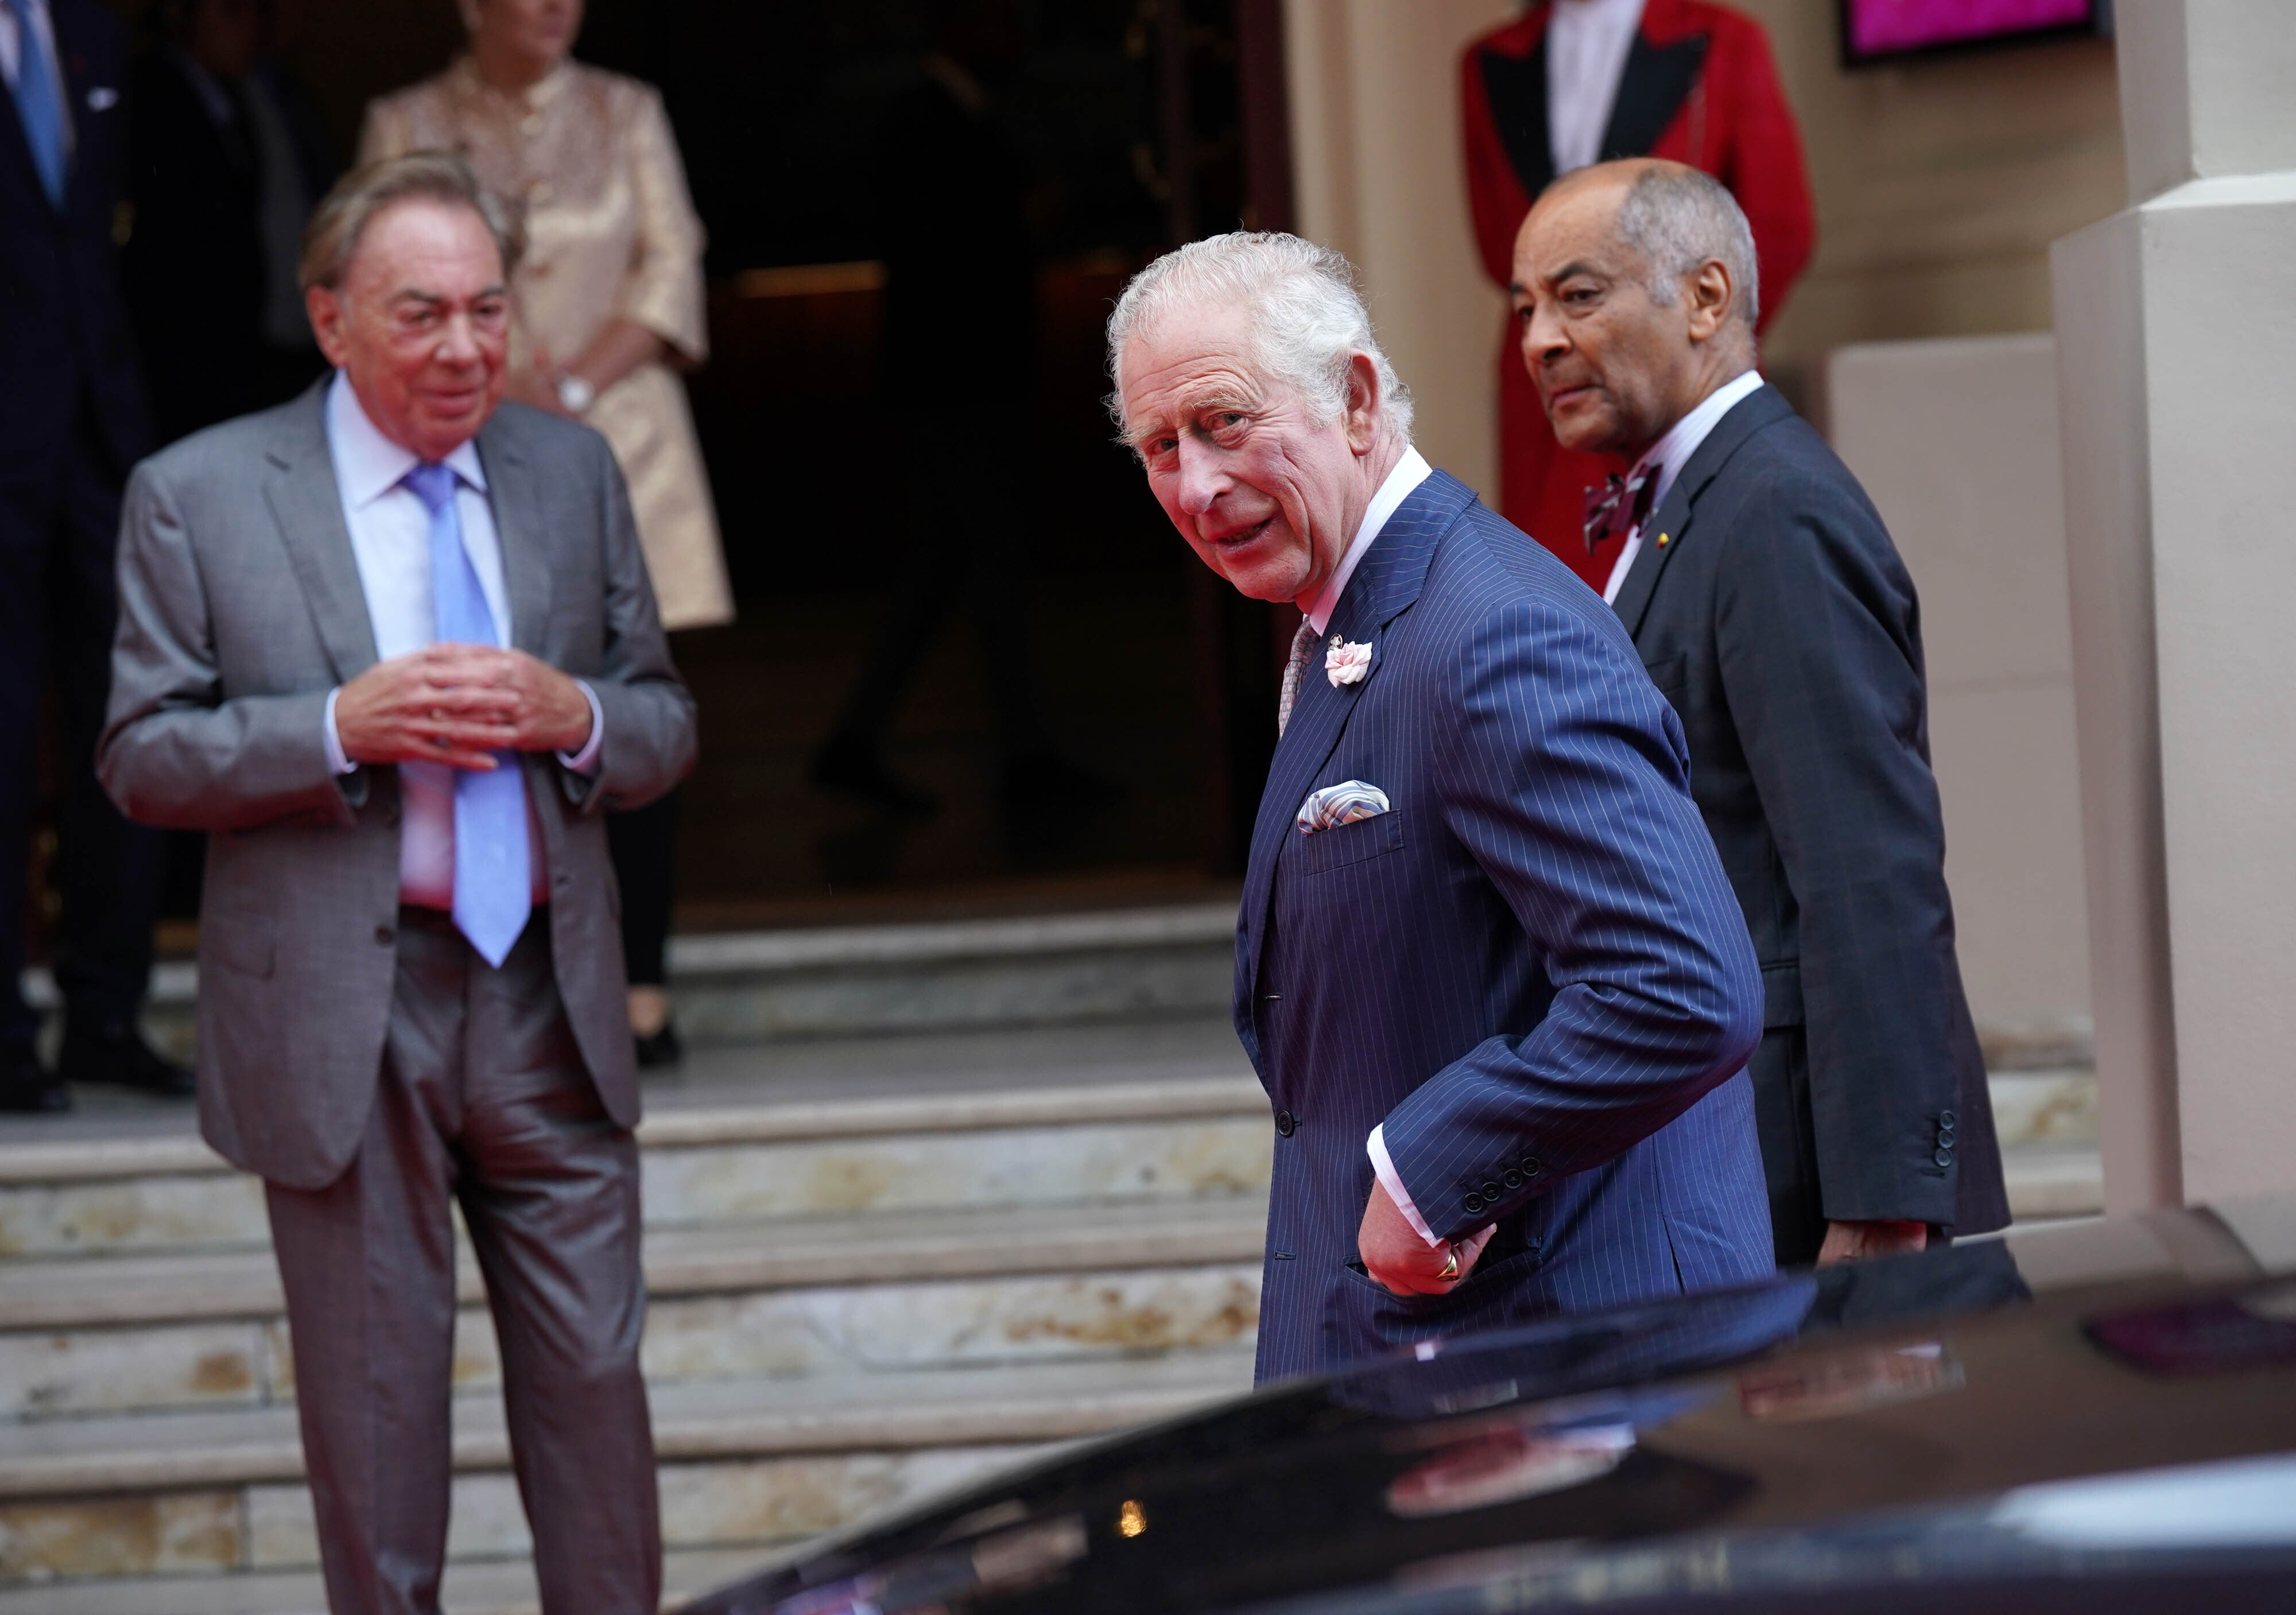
[[1566, 83], [71, 421], [1771, 608], [395, 649], [1488, 966]]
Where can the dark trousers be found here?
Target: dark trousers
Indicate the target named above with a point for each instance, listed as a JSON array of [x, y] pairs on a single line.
[[484, 1102], [1780, 1070], [644, 846], [59, 531]]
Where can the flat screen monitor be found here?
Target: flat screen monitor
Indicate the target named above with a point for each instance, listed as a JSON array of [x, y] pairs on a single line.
[[1877, 30]]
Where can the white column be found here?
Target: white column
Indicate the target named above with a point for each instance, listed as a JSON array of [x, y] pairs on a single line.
[[2177, 369], [1375, 158]]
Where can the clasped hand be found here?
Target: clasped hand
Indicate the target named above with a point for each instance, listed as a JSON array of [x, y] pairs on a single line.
[[459, 704], [1399, 1259]]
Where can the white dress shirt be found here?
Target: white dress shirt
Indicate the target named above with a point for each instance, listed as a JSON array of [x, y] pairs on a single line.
[[1670, 454], [1587, 42], [1409, 472], [390, 542], [11, 60]]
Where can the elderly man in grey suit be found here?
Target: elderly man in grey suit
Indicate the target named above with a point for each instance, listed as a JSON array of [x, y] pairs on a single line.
[[394, 648]]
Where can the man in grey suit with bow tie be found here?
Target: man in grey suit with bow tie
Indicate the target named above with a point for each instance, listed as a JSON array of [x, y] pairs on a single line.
[[394, 648]]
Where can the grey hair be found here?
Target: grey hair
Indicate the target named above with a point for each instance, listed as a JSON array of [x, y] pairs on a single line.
[[1307, 316], [1678, 219], [332, 237]]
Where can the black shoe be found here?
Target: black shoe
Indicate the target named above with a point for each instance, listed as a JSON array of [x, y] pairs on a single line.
[[849, 765], [660, 1050], [26, 1086], [124, 1060]]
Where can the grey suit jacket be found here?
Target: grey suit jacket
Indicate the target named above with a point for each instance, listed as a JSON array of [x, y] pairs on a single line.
[[240, 609]]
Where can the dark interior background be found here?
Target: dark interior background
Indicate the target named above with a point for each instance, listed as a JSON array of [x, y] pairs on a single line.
[[1138, 125]]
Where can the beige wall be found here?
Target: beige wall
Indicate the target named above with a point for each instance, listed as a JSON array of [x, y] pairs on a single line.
[[1955, 437], [1939, 184], [1375, 149]]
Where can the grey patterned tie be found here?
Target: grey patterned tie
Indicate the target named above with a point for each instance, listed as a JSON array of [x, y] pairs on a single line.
[[1302, 643]]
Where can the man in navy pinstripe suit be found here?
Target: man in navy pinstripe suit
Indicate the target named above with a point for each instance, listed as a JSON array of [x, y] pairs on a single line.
[[1488, 965]]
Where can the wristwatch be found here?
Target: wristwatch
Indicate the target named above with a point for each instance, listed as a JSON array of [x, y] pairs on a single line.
[[574, 394]]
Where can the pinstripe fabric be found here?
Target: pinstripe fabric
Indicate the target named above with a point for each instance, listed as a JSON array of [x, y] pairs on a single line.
[[1532, 970]]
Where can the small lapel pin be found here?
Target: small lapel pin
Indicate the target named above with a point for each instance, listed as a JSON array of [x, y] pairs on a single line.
[[1662, 540], [1336, 642]]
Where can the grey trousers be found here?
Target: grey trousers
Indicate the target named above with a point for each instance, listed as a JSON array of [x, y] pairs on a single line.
[[484, 1101]]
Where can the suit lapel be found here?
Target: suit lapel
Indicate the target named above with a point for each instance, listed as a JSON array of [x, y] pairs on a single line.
[[517, 526], [1516, 88], [1386, 581], [307, 502], [1670, 524], [1658, 79]]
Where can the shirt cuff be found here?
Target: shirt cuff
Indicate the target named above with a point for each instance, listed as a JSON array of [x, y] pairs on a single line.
[[583, 762], [1383, 1165], [336, 761]]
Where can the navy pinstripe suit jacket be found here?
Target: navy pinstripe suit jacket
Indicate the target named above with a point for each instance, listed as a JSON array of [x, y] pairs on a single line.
[[1532, 969]]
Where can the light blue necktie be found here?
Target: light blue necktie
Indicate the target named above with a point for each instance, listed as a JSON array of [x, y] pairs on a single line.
[[494, 889], [39, 102]]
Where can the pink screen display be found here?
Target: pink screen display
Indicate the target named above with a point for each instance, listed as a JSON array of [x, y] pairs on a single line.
[[1877, 26]]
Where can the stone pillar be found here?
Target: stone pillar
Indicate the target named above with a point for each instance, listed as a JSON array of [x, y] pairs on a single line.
[[2177, 371]]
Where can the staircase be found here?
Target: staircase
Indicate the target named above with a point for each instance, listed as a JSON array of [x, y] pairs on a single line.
[[880, 1266]]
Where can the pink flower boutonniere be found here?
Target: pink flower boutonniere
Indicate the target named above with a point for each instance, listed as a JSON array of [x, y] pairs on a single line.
[[1347, 663]]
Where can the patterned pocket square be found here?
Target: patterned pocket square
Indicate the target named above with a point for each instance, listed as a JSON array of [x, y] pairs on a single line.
[[1340, 804]]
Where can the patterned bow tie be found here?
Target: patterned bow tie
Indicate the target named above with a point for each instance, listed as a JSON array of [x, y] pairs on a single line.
[[1619, 505]]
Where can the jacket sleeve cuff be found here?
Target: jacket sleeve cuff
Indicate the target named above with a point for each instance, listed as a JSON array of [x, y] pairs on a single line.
[[1383, 1165]]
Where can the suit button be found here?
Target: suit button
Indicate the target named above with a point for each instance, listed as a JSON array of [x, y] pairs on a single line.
[[385, 935], [1512, 1178], [1946, 1120], [1490, 1191], [1530, 1167], [1473, 1202], [1285, 1123], [1944, 1156]]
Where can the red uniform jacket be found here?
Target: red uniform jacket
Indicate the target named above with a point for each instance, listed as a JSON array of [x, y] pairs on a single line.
[[1699, 87]]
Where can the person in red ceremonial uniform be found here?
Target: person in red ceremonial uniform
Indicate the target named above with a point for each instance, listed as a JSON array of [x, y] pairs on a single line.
[[1574, 82]]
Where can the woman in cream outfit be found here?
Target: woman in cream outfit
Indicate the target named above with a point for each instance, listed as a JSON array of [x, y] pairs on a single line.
[[608, 297]]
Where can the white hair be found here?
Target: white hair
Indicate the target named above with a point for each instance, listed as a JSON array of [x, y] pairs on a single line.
[[1308, 317], [1678, 219]]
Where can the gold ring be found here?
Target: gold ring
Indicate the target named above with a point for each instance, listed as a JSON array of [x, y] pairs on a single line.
[[1450, 1263]]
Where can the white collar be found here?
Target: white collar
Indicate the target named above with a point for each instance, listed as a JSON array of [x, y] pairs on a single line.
[[1409, 472], [368, 464], [1672, 452]]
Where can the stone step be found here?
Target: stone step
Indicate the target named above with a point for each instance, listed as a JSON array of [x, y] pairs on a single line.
[[1040, 970], [747, 1462], [896, 1410], [471, 1587], [106, 1335], [736, 1148], [745, 1148]]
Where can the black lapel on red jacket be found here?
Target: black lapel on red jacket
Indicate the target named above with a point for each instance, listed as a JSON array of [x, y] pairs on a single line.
[[1658, 79], [1516, 88]]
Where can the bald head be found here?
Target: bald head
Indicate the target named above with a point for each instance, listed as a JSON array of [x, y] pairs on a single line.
[[1634, 288]]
